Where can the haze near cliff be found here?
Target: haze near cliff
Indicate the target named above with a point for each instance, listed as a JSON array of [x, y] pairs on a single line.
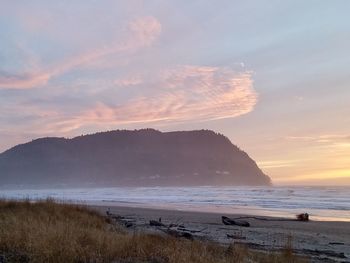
[[132, 158]]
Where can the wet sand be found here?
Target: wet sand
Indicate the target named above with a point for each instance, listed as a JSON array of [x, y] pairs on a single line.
[[324, 241]]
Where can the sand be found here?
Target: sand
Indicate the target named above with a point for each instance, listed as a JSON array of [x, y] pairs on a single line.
[[324, 241]]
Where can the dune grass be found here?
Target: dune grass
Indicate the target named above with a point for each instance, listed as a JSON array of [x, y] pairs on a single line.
[[46, 231]]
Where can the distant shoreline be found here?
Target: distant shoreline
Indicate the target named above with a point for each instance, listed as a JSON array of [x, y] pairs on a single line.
[[329, 204]]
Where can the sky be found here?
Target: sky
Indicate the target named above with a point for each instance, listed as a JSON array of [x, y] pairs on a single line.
[[273, 76]]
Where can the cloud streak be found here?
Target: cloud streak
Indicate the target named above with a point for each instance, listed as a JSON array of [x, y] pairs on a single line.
[[142, 32], [325, 138], [24, 81], [180, 94], [167, 96]]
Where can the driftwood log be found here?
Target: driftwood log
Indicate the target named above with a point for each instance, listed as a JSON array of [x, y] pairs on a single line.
[[230, 222], [177, 233], [155, 223], [174, 229], [120, 219], [236, 237], [304, 217]]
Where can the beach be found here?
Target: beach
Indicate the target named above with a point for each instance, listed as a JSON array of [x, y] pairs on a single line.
[[325, 238], [322, 241]]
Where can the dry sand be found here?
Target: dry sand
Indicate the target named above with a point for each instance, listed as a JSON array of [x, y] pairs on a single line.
[[323, 241]]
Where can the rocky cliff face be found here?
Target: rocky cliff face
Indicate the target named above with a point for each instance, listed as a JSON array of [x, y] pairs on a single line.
[[131, 158]]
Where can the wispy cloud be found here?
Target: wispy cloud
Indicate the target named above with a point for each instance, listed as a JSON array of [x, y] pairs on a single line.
[[280, 163], [324, 138], [145, 30], [24, 81], [319, 176], [128, 81], [167, 96], [142, 32], [180, 94]]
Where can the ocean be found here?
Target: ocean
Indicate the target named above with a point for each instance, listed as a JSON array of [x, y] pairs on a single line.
[[322, 203]]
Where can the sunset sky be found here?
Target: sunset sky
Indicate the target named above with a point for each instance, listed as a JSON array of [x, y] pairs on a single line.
[[273, 76]]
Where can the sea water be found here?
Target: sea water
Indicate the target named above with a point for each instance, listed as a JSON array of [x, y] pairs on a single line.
[[322, 203]]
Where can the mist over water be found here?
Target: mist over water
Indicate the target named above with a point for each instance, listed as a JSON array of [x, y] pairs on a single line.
[[322, 203]]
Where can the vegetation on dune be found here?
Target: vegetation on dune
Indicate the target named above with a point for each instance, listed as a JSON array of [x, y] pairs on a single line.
[[47, 231], [144, 157]]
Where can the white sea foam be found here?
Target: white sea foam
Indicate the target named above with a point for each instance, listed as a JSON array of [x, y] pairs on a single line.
[[322, 203]]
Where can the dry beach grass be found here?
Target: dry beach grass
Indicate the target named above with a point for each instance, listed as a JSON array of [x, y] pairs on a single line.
[[47, 231]]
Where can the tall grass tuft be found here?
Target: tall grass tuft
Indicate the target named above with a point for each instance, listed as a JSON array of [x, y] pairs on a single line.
[[47, 231]]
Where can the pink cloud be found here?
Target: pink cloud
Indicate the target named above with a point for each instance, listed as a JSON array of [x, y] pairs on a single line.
[[179, 94], [128, 81], [142, 33], [25, 81], [184, 93], [145, 30]]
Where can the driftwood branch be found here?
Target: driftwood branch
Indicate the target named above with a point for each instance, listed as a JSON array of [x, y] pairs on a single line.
[[155, 223], [127, 222], [236, 236], [175, 229], [235, 222], [304, 217], [177, 233]]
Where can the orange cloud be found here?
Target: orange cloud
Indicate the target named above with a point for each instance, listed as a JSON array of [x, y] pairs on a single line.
[[142, 33], [311, 159], [280, 163], [325, 138], [327, 177]]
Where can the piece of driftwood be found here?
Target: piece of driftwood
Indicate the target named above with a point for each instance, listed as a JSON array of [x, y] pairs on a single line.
[[155, 223], [336, 243], [113, 216], [174, 229], [108, 212], [303, 217], [229, 221], [117, 217], [176, 225], [182, 228], [120, 219], [328, 253], [128, 224], [125, 222], [176, 233], [236, 237]]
